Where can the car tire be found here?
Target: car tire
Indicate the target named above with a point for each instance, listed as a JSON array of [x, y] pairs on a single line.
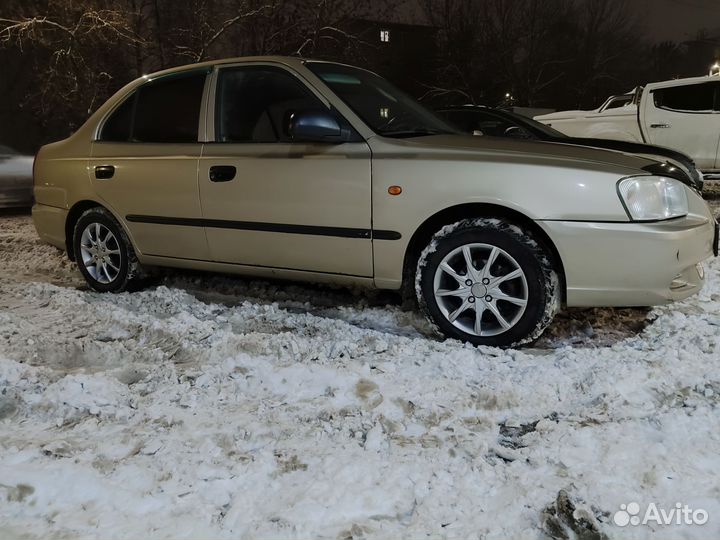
[[109, 265], [508, 302]]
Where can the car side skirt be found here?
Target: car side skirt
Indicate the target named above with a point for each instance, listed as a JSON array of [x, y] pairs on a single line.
[[260, 272]]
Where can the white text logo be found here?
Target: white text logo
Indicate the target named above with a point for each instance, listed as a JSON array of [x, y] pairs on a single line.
[[680, 514]]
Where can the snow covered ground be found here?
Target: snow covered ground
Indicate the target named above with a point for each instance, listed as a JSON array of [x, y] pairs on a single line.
[[217, 407]]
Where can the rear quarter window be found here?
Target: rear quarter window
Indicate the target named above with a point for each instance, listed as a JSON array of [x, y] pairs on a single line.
[[119, 125]]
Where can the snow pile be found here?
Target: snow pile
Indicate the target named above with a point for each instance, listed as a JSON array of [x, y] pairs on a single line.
[[212, 407]]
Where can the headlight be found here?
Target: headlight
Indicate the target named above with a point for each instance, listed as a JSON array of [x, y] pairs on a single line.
[[653, 198]]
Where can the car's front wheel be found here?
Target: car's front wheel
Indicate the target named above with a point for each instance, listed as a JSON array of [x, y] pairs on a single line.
[[103, 252], [487, 282]]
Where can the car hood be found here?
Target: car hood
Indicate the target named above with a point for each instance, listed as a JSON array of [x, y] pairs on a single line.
[[631, 147], [561, 115], [690, 177], [526, 151]]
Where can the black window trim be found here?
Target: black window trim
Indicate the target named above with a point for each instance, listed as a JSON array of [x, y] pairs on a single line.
[[136, 91], [716, 98]]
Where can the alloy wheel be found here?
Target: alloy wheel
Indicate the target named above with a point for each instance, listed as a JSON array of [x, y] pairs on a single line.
[[481, 289], [100, 252]]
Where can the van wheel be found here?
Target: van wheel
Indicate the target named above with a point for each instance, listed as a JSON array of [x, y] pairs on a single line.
[[487, 282], [103, 252]]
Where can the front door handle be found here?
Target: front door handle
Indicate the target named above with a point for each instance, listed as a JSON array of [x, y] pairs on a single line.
[[662, 126], [222, 173], [104, 172]]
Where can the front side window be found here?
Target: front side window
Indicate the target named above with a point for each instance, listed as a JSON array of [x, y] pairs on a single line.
[[384, 108], [464, 121], [689, 98], [255, 104], [492, 125], [163, 111], [470, 120]]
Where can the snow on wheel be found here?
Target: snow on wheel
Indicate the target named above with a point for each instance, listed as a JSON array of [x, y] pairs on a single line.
[[103, 252], [487, 282]]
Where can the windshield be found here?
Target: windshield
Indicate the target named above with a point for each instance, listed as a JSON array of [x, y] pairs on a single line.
[[385, 109]]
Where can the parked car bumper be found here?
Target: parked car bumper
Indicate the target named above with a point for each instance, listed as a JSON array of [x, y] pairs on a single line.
[[633, 264], [16, 192]]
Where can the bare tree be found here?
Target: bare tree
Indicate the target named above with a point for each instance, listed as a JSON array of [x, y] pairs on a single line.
[[607, 40], [461, 24], [69, 56], [78, 53], [71, 46], [533, 49], [543, 56]]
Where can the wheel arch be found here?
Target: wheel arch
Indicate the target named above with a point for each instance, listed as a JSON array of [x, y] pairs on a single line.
[[453, 214], [77, 210]]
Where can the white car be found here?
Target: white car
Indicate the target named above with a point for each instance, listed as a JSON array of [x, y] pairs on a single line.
[[16, 186], [681, 114]]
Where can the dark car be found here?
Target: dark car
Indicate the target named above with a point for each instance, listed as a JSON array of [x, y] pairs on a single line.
[[482, 120]]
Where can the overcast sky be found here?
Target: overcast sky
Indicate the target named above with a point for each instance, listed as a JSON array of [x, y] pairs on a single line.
[[679, 20]]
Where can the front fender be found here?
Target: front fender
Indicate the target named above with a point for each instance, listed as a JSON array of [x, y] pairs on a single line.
[[538, 193]]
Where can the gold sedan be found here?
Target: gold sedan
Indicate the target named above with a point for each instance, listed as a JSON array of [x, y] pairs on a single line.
[[300, 169]]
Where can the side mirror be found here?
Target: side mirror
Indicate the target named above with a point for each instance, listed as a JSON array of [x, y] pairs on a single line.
[[314, 126]]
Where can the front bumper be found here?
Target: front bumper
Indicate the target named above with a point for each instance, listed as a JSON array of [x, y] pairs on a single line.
[[633, 264]]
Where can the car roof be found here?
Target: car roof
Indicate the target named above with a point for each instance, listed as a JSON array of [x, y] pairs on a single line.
[[686, 81], [290, 61]]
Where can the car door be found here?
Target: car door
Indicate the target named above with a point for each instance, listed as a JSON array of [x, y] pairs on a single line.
[[271, 202], [144, 165], [685, 117]]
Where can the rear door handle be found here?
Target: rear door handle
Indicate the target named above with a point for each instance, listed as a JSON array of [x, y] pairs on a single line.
[[662, 126], [104, 172], [222, 173]]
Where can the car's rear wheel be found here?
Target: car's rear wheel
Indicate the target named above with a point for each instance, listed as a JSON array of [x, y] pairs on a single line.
[[487, 282], [103, 252]]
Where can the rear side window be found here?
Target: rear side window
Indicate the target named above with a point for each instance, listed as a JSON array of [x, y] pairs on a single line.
[[689, 98], [254, 104], [163, 111]]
